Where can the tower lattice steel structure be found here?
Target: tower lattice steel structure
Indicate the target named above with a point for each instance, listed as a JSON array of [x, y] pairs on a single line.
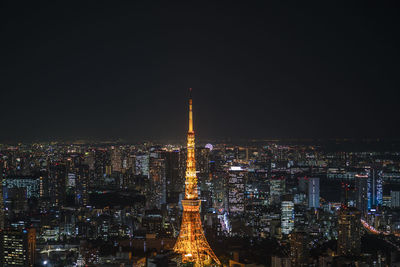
[[192, 243]]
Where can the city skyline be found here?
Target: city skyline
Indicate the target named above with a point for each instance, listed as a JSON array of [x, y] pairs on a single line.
[[296, 157]]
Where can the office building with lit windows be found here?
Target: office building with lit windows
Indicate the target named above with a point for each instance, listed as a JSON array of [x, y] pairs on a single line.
[[287, 217], [313, 193], [349, 232], [18, 247]]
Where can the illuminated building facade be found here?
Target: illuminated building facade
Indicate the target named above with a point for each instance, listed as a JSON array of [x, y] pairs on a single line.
[[287, 217], [375, 188], [82, 186], [298, 248], [276, 190], [31, 184], [157, 190], [192, 244], [313, 193], [18, 248], [349, 232], [1, 208], [395, 199], [116, 159], [236, 186], [56, 184], [142, 163], [362, 193]]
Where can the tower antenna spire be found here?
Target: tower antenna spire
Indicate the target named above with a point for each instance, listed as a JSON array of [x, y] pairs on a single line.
[[190, 111]]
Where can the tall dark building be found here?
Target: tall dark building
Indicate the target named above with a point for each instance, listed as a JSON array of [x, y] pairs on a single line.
[[18, 247], [369, 187], [82, 185], [362, 193], [299, 248], [349, 232], [2, 217], [173, 178], [56, 184], [313, 193], [156, 195], [101, 161], [203, 166]]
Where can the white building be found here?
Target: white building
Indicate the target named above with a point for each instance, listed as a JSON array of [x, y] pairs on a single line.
[[287, 217]]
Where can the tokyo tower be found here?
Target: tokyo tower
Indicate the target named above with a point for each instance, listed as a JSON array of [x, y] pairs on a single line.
[[191, 243]]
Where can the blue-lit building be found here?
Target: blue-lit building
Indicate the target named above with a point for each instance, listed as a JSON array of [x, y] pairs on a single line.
[[375, 188], [313, 193]]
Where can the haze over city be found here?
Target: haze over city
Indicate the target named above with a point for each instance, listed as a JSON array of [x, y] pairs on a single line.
[[110, 70]]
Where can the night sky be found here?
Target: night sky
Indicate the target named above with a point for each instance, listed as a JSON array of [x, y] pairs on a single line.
[[121, 70]]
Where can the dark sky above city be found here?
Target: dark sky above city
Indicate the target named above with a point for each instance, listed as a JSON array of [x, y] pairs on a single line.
[[121, 69]]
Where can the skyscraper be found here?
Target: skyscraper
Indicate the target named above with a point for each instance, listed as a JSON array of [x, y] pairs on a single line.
[[313, 193], [1, 201], [142, 164], [276, 190], [173, 181], [18, 248], [298, 248], [56, 183], [192, 243], [116, 159], [157, 191], [236, 182], [349, 232], [82, 185], [362, 193], [375, 188], [287, 217], [395, 199]]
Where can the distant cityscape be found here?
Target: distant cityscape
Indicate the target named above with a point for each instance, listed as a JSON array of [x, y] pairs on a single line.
[[286, 153], [263, 203]]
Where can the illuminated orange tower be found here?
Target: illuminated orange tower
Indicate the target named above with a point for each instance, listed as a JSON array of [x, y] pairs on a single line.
[[191, 243]]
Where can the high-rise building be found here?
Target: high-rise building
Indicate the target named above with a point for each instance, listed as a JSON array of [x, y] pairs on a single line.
[[56, 184], [299, 248], [375, 188], [362, 193], [101, 161], [18, 247], [116, 159], [2, 217], [82, 185], [394, 199], [220, 198], [236, 187], [174, 183], [142, 164], [192, 244], [287, 217], [369, 187], [303, 184], [313, 193], [276, 190], [157, 191], [349, 232]]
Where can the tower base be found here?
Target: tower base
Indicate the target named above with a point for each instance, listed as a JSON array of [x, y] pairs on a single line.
[[191, 243]]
